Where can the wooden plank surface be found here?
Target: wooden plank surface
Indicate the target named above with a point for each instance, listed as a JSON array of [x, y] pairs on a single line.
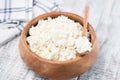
[[104, 17]]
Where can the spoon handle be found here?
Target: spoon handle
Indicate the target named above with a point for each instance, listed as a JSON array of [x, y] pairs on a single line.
[[85, 21]]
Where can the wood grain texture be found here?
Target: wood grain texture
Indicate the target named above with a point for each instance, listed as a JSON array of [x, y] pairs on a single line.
[[105, 18]]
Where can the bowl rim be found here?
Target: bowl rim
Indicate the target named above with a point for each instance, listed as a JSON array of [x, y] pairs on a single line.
[[24, 35]]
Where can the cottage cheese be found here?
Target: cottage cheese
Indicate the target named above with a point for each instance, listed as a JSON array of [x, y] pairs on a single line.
[[58, 39]]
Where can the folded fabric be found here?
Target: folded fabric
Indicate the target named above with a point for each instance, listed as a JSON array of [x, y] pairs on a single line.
[[14, 14], [15, 10], [7, 33], [45, 6]]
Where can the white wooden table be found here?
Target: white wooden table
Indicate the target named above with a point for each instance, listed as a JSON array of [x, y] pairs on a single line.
[[104, 17]]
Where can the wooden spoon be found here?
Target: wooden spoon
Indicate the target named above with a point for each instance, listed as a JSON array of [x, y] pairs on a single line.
[[85, 21]]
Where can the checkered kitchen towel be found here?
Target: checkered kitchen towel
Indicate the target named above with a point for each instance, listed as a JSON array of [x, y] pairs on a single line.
[[44, 6], [14, 14], [15, 10]]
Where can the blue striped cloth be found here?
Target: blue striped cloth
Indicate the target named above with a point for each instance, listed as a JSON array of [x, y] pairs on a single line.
[[44, 6], [14, 14], [22, 10], [15, 10]]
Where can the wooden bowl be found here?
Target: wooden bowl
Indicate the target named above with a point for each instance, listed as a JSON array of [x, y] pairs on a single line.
[[58, 70]]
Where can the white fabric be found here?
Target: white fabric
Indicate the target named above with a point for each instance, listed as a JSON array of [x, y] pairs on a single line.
[[15, 10], [17, 14], [45, 6]]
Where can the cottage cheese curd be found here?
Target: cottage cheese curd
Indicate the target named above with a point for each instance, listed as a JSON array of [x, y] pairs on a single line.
[[58, 39]]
